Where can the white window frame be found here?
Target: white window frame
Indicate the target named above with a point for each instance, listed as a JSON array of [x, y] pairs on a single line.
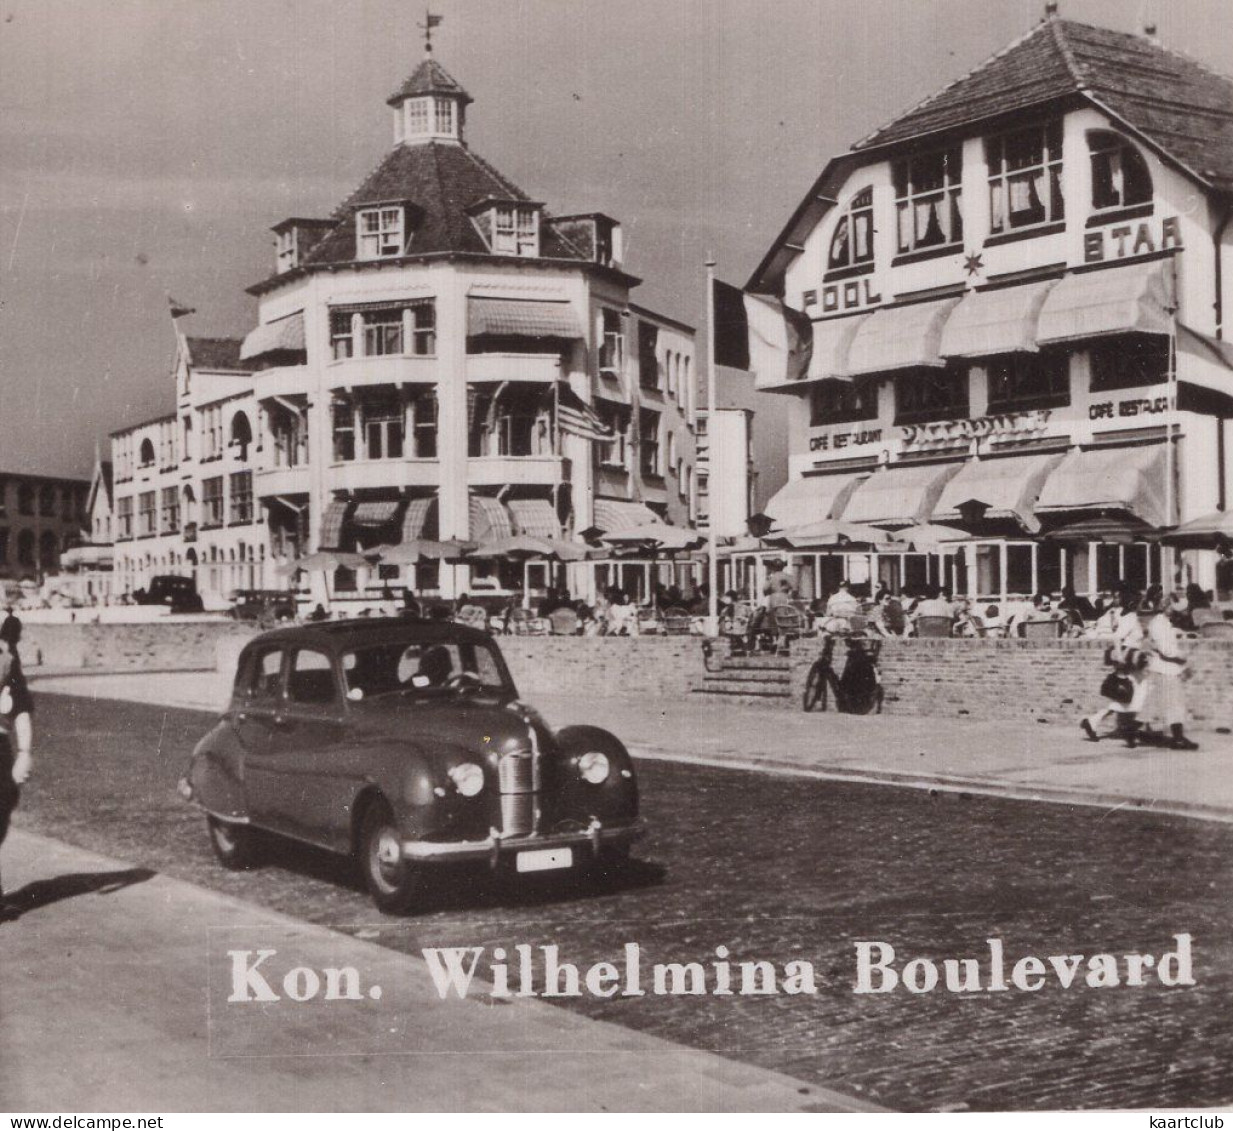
[[213, 510], [612, 342], [947, 198], [445, 116], [380, 232], [515, 230], [859, 208], [1002, 178], [419, 117]]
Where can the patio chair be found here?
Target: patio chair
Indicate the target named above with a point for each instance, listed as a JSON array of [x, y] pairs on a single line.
[[789, 624], [522, 622], [934, 627], [1042, 629], [1200, 617], [563, 622], [675, 621], [1216, 630], [648, 621]]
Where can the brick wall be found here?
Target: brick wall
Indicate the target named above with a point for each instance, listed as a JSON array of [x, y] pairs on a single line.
[[1055, 680], [659, 668], [156, 646]]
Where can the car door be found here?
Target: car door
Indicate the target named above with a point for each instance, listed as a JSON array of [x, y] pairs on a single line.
[[257, 699], [314, 782]]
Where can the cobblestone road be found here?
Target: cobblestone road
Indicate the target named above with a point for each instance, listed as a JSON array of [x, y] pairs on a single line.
[[782, 869]]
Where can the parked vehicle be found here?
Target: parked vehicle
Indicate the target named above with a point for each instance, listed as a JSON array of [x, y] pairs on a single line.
[[171, 589], [404, 743], [263, 606]]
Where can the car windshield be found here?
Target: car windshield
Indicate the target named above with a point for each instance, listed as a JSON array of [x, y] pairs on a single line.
[[424, 669]]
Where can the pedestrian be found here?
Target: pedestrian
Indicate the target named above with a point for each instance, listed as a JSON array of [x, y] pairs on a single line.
[[1125, 688], [1166, 668], [17, 709]]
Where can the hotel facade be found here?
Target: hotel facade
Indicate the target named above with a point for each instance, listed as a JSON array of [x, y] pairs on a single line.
[[441, 358], [1019, 292]]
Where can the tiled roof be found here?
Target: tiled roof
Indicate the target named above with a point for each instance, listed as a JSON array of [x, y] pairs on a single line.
[[1170, 99], [440, 181], [429, 78], [215, 353]]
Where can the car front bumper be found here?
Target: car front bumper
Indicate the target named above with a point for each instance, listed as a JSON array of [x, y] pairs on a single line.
[[494, 848]]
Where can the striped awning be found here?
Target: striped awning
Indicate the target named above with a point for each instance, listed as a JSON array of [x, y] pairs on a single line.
[[509, 318], [332, 520], [899, 496], [622, 514], [273, 337], [489, 519], [534, 517], [1005, 488], [1130, 480], [811, 499], [376, 513], [832, 342], [900, 337], [415, 519], [998, 321], [1118, 300]]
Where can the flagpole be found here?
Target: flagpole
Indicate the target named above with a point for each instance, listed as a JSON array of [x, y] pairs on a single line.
[[712, 540], [1168, 557]]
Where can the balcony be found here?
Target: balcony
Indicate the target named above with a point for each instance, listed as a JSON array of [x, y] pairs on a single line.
[[281, 481], [360, 475], [538, 471], [541, 368], [283, 381], [397, 369]]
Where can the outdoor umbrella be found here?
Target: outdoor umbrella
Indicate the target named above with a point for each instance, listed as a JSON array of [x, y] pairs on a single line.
[[516, 547], [1210, 532], [932, 537], [324, 560], [1102, 528], [656, 534], [829, 533], [423, 549]]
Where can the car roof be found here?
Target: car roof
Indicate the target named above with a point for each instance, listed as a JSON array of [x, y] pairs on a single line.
[[343, 634]]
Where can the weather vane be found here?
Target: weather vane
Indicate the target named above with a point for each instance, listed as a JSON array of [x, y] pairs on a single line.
[[430, 22]]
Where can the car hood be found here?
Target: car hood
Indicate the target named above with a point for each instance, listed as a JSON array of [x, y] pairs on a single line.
[[481, 726]]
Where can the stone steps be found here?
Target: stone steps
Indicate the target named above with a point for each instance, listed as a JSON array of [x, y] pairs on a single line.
[[749, 675]]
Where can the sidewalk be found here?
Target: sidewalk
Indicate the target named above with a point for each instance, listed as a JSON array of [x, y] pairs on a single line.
[[115, 998], [1023, 760]]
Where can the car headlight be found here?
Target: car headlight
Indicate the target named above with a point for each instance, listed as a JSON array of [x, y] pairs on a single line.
[[594, 767], [468, 779]]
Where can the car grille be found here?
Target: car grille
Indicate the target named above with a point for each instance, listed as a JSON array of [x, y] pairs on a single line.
[[516, 773]]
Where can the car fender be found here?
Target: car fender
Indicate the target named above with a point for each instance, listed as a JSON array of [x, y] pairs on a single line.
[[407, 778], [614, 800], [216, 775]]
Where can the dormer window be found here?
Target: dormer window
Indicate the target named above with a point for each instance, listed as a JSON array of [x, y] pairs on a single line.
[[285, 252], [515, 230], [852, 243], [1120, 178], [379, 233]]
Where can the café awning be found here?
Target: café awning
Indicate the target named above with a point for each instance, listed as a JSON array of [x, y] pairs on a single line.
[[1117, 300], [415, 519], [489, 519], [509, 318], [534, 517], [899, 496], [286, 334], [900, 337], [1129, 480], [1004, 488], [622, 514], [995, 321], [332, 519], [832, 342], [810, 499], [375, 513]]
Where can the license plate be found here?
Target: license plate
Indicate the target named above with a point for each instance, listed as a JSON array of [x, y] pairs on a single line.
[[545, 859]]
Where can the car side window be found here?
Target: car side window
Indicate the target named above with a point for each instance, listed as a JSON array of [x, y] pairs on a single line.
[[312, 678], [266, 681]]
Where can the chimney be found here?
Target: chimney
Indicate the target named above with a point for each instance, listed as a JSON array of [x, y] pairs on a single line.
[[1150, 32], [1050, 9]]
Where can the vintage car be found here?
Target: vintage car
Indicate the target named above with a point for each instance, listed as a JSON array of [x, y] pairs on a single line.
[[404, 743]]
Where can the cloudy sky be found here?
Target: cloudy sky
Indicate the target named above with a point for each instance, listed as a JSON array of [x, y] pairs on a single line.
[[146, 146]]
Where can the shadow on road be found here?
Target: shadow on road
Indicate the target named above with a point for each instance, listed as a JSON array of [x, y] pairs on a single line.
[[41, 893]]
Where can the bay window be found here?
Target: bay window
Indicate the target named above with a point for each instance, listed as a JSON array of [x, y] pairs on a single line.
[[1025, 177], [384, 330]]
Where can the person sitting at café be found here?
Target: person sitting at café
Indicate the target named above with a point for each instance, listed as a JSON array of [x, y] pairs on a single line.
[[888, 617], [763, 618], [933, 605], [843, 602], [992, 621]]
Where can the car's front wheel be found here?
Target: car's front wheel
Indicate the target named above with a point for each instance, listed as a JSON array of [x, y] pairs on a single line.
[[234, 844], [393, 881]]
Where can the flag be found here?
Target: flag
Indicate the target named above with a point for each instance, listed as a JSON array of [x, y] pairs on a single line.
[[578, 418], [431, 21], [760, 334], [178, 309]]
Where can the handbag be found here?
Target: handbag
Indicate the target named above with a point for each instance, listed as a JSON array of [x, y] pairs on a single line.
[[1118, 688]]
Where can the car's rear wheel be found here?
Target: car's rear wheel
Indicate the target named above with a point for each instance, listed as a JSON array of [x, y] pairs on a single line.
[[393, 881], [234, 844]]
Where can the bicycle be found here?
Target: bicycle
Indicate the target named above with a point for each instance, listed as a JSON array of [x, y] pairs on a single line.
[[857, 690]]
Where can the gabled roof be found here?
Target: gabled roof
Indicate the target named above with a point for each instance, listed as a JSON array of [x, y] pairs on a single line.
[[1172, 101], [215, 354], [429, 78], [440, 181]]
